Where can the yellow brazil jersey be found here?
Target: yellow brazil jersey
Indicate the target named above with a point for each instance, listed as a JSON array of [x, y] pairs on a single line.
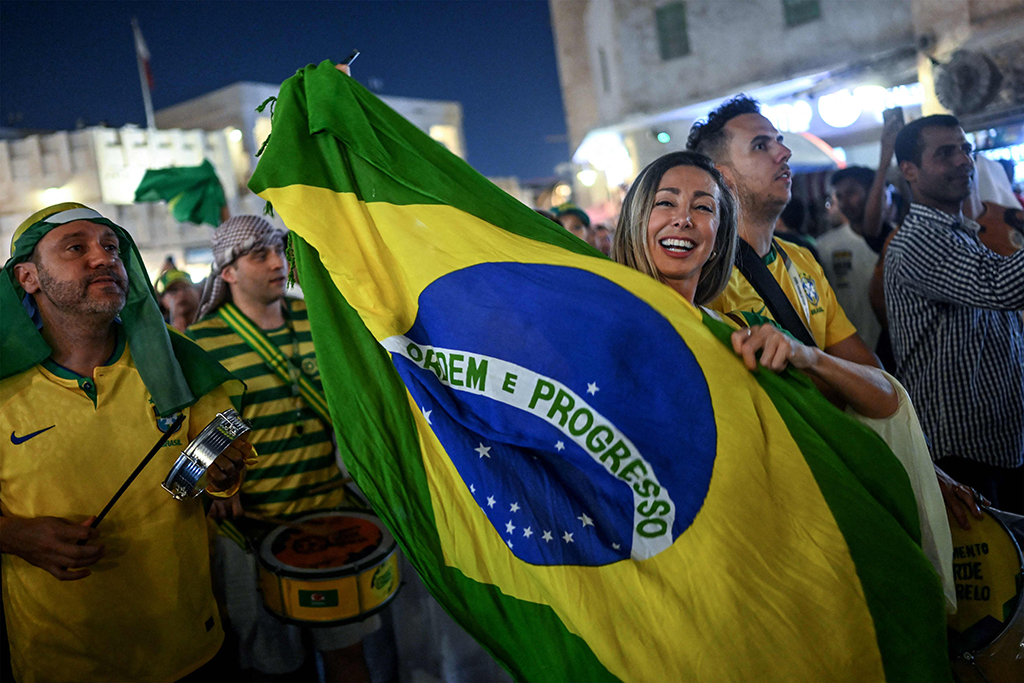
[[147, 612], [297, 471], [828, 323]]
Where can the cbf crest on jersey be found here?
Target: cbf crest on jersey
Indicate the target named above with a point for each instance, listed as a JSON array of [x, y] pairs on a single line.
[[810, 289], [165, 423]]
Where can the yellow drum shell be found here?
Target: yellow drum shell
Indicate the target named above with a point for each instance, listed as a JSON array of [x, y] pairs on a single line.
[[986, 635], [328, 595]]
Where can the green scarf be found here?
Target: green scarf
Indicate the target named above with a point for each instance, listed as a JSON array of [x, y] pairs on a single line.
[[174, 369]]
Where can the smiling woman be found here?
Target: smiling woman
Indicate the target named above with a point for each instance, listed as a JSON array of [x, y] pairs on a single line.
[[682, 228], [678, 225]]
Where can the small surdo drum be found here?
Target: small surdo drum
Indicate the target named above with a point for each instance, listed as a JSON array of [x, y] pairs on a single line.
[[986, 635], [328, 568]]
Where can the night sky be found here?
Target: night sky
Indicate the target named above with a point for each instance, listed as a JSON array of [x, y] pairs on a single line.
[[65, 61]]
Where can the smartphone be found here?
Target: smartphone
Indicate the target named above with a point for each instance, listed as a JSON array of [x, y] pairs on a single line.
[[890, 114], [351, 58]]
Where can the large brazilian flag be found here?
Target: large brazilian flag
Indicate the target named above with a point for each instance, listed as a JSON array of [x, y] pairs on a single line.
[[579, 468]]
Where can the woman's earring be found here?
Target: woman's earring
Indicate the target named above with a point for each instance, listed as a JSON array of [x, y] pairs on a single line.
[[714, 253]]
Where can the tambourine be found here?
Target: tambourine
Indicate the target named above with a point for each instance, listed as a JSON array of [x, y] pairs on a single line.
[[187, 478]]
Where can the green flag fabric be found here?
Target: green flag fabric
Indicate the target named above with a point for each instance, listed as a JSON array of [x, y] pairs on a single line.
[[576, 463], [193, 193]]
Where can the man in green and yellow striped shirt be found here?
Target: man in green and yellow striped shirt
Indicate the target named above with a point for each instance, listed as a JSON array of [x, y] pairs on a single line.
[[263, 337], [295, 447]]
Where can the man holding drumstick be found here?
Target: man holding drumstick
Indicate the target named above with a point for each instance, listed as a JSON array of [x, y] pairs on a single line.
[[92, 378]]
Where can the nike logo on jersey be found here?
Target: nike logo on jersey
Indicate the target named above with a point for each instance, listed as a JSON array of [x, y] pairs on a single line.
[[15, 439]]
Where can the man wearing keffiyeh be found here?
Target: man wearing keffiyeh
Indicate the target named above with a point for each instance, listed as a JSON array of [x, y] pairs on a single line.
[[236, 237], [264, 337], [91, 377]]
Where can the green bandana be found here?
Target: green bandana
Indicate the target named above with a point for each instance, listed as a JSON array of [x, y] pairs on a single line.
[[175, 371]]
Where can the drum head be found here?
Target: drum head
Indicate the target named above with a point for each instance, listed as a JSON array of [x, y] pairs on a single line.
[[987, 565], [327, 544]]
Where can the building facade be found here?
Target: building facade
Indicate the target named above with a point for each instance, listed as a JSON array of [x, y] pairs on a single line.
[[101, 167], [234, 107], [637, 73]]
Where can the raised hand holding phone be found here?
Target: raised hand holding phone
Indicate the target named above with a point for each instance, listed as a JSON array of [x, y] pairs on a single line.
[[892, 124]]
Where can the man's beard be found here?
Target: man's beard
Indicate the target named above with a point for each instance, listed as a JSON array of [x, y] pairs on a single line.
[[73, 297], [759, 208]]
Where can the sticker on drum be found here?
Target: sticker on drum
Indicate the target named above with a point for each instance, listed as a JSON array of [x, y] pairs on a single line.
[[328, 568], [987, 570]]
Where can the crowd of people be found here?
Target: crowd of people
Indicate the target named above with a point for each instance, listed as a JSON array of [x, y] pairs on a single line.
[[926, 279], [927, 283]]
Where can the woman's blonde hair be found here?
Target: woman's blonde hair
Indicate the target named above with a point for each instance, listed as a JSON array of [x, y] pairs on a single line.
[[630, 244]]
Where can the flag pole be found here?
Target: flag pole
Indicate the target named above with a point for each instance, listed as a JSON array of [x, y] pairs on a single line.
[[141, 59]]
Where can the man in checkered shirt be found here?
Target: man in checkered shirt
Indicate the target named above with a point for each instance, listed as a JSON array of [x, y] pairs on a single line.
[[954, 311]]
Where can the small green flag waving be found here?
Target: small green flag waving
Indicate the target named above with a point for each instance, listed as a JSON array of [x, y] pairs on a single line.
[[193, 193]]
